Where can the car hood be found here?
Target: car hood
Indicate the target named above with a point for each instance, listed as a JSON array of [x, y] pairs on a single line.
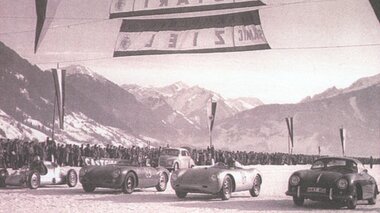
[[197, 175], [318, 177], [100, 170]]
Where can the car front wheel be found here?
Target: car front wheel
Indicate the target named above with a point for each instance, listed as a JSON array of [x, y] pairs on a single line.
[[72, 178], [226, 188], [180, 194], [33, 180], [161, 186], [255, 191], [298, 200], [88, 187], [129, 183], [351, 203]]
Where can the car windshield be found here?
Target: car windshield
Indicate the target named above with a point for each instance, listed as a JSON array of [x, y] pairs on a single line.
[[335, 164], [171, 152]]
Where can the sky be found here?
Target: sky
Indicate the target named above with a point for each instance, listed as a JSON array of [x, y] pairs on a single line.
[[293, 69]]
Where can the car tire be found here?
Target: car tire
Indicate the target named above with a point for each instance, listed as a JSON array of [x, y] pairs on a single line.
[[72, 178], [88, 187], [162, 183], [34, 179], [351, 203], [3, 175], [180, 194], [129, 183], [372, 201], [175, 167], [226, 188], [298, 201], [255, 191]]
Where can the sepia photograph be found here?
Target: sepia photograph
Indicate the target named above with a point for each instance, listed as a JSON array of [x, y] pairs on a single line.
[[189, 106]]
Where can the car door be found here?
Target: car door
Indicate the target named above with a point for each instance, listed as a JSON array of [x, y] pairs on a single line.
[[242, 179], [366, 182]]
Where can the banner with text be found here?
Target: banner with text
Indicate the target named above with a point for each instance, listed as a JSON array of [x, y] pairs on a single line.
[[128, 8], [220, 33]]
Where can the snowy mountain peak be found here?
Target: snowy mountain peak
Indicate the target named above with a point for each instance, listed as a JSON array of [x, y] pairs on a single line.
[[82, 70]]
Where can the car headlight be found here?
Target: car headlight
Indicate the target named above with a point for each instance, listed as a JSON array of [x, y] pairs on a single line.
[[116, 173], [174, 176], [294, 180], [342, 183], [214, 177]]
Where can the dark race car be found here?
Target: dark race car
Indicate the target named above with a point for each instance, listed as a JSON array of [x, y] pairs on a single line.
[[37, 174], [123, 175], [341, 180]]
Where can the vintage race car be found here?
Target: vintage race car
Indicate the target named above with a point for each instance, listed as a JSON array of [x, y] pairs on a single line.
[[218, 179], [175, 158], [123, 175], [341, 180], [46, 173]]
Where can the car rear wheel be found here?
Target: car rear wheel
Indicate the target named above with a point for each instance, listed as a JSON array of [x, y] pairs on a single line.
[[88, 187], [351, 203], [372, 201], [129, 183], [299, 201], [226, 188], [255, 191], [180, 194], [72, 178], [161, 186], [33, 180], [3, 176]]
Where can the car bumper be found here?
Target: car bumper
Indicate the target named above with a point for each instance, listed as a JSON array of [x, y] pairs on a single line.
[[104, 183], [197, 188], [330, 195]]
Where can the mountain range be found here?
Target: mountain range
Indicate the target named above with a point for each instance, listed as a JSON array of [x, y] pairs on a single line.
[[99, 111]]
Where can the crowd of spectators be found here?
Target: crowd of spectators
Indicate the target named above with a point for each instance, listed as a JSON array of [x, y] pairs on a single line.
[[16, 153]]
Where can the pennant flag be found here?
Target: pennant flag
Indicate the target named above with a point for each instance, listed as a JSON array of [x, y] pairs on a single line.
[[376, 7], [128, 8], [211, 111], [290, 129], [220, 33], [59, 83], [343, 140], [319, 150], [44, 9]]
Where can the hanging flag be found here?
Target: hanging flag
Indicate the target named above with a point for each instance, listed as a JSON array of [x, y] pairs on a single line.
[[376, 7], [319, 150], [45, 10], [211, 111], [59, 83], [128, 8], [343, 140], [220, 33], [289, 124]]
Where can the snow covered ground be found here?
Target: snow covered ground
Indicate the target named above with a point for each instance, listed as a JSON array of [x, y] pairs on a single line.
[[271, 199]]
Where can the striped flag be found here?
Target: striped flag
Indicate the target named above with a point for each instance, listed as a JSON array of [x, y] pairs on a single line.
[[220, 33], [376, 7], [289, 124], [45, 10], [59, 83], [342, 133], [128, 8]]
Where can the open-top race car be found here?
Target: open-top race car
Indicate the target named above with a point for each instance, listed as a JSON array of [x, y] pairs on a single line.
[[342, 180], [39, 173], [219, 179], [123, 175]]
